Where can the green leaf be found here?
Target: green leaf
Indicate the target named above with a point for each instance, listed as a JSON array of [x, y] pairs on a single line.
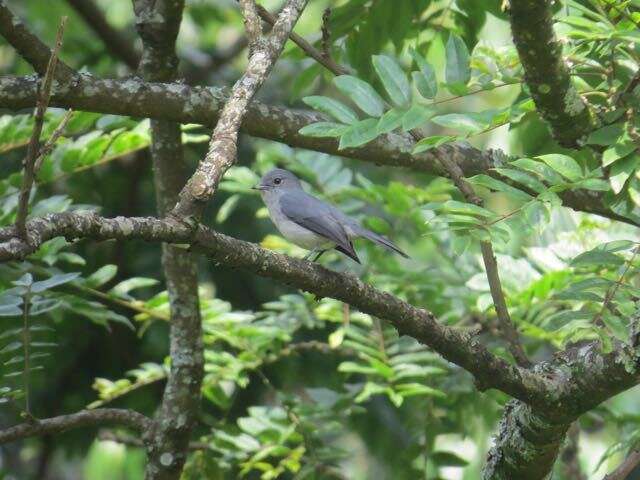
[[616, 152], [416, 116], [457, 70], [540, 169], [44, 306], [596, 184], [606, 135], [24, 281], [332, 107], [360, 133], [353, 367], [564, 165], [390, 121], [54, 281], [123, 288], [323, 129], [393, 79], [12, 347], [432, 142], [413, 389], [597, 258], [621, 171], [522, 178], [101, 276], [460, 121], [466, 209], [361, 93], [10, 311], [425, 80], [369, 390], [499, 186]]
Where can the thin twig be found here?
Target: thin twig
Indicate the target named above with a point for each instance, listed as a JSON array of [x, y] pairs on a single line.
[[84, 418], [51, 142], [625, 468], [611, 292], [309, 49], [34, 144], [326, 33], [509, 331]]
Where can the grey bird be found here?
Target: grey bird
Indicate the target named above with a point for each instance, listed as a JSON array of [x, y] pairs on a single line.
[[309, 222]]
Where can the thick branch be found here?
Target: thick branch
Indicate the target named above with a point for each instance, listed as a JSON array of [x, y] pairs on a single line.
[[158, 24], [526, 446], [184, 104], [84, 418], [118, 44], [573, 382], [546, 74], [30, 47], [453, 344], [223, 146]]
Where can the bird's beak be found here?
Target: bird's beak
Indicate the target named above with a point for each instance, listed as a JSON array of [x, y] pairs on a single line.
[[258, 187]]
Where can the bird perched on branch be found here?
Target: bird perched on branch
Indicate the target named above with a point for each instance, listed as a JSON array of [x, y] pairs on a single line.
[[309, 222]]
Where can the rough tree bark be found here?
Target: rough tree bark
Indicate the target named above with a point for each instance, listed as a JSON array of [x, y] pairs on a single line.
[[185, 104], [545, 72], [158, 24], [549, 397]]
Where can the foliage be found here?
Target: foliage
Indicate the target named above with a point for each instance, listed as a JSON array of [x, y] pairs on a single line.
[[300, 387]]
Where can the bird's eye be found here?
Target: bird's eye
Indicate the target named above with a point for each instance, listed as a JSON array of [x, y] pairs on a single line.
[[277, 181]]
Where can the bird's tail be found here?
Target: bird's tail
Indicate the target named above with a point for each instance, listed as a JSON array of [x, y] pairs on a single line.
[[381, 240]]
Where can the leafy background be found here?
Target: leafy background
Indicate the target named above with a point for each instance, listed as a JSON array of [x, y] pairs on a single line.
[[297, 387]]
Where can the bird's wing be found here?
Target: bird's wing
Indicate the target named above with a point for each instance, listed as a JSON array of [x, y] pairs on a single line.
[[315, 215]]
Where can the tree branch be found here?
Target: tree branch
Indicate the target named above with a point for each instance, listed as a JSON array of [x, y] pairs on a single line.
[[118, 44], [33, 149], [573, 382], [625, 468], [546, 74], [84, 418], [185, 104], [158, 24], [252, 24], [526, 445], [324, 60], [223, 146], [456, 346]]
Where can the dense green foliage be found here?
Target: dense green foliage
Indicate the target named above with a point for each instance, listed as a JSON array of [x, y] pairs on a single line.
[[302, 387]]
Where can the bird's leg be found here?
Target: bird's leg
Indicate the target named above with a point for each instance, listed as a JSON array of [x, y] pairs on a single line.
[[318, 256], [308, 255]]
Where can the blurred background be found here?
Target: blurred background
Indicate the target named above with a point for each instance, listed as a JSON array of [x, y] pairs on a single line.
[[295, 387]]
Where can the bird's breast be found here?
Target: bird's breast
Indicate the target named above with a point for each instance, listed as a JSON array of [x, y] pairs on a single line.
[[293, 232]]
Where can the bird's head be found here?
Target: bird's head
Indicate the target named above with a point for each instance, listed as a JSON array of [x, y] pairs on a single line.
[[277, 180]]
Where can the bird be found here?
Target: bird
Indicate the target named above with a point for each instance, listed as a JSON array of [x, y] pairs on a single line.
[[311, 223]]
